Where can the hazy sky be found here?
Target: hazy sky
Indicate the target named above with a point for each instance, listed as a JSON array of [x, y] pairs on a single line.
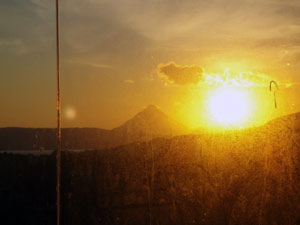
[[117, 56]]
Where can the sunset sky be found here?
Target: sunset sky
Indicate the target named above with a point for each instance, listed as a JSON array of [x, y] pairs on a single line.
[[119, 56]]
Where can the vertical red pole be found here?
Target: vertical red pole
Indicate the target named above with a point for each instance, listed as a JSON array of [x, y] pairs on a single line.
[[58, 152]]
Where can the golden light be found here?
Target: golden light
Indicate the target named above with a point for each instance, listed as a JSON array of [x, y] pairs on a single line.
[[228, 101], [229, 107]]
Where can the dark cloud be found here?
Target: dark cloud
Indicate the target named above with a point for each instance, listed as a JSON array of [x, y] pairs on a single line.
[[180, 75]]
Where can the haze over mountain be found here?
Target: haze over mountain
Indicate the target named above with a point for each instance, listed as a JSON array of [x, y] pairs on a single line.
[[146, 125]]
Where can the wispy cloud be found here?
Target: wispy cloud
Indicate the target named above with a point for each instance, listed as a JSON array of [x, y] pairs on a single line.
[[90, 64], [129, 81], [28, 25], [16, 45]]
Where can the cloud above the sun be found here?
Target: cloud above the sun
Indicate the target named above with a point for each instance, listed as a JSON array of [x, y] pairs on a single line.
[[184, 75]]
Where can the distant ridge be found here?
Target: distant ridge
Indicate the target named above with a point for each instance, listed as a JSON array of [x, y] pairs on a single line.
[[148, 124]]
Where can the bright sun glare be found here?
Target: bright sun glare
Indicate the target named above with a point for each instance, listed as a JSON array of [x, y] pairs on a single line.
[[229, 107]]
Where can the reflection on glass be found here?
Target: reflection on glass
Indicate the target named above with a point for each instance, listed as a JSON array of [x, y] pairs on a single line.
[[173, 112]]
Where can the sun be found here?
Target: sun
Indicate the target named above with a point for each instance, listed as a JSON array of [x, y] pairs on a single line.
[[229, 107]]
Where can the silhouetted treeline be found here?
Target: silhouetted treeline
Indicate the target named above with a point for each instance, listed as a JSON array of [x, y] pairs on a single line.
[[235, 178], [27, 189], [72, 138], [45, 138]]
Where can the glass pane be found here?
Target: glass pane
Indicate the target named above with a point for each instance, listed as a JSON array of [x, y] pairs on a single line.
[[173, 112]]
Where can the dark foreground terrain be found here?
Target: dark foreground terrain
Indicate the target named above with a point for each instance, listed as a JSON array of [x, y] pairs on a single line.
[[248, 177]]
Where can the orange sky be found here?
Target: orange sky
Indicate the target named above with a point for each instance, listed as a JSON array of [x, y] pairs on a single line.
[[112, 53]]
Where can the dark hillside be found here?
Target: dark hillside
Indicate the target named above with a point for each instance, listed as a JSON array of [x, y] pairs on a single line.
[[249, 177]]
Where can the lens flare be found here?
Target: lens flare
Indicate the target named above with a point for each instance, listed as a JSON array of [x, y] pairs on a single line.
[[70, 113]]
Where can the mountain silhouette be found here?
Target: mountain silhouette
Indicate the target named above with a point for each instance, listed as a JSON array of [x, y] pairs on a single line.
[[145, 125]]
